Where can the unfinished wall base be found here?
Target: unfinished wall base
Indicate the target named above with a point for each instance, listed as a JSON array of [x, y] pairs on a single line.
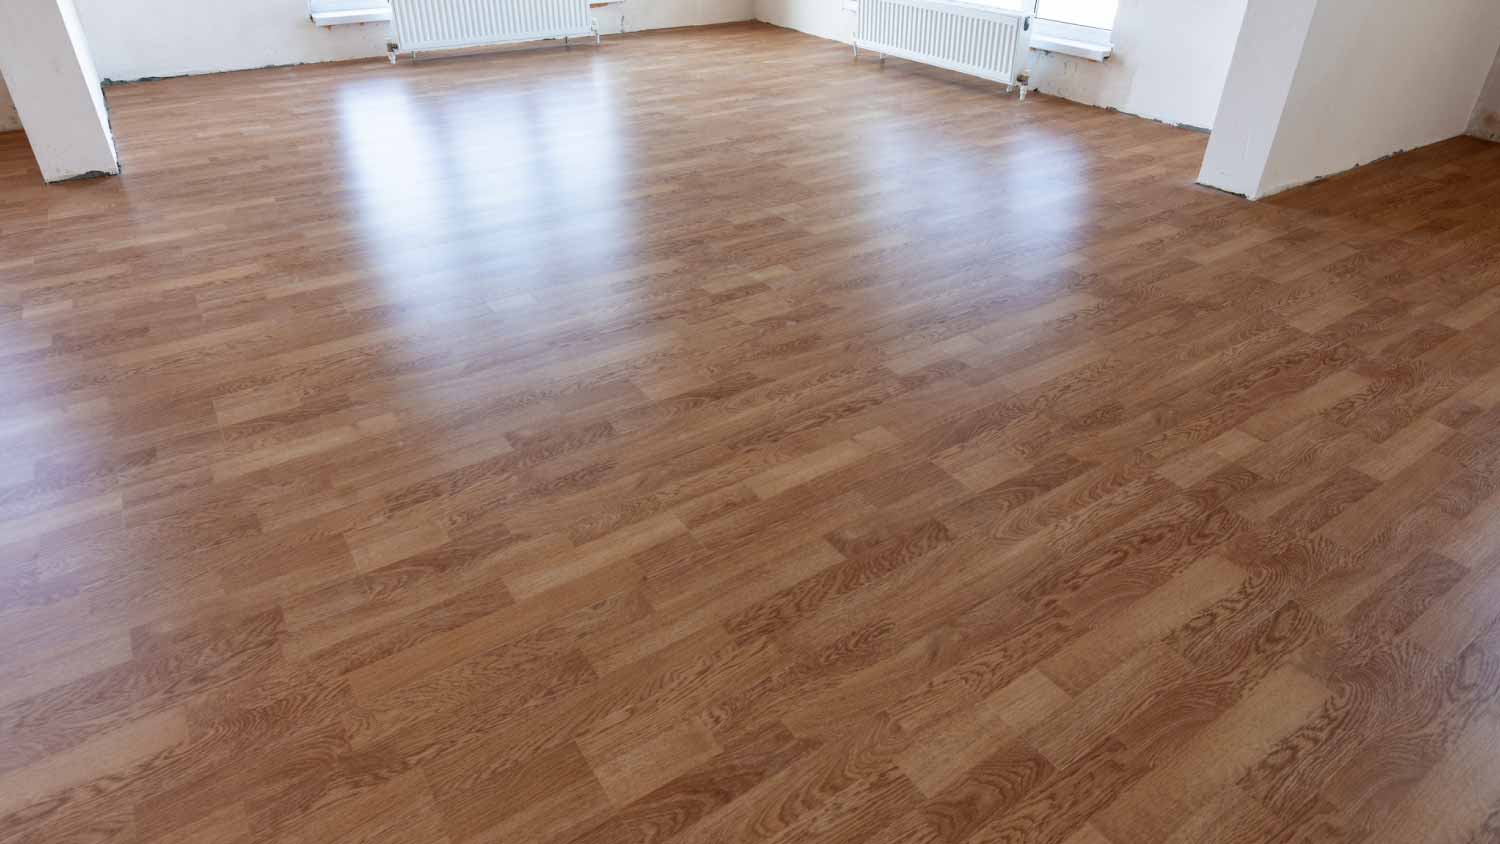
[[1485, 122], [10, 120]]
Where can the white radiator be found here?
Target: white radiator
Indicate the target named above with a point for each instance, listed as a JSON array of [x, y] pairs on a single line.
[[442, 24], [982, 41]]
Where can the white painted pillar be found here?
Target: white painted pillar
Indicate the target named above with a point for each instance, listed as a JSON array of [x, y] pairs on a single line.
[[1317, 87], [47, 66], [1260, 79]]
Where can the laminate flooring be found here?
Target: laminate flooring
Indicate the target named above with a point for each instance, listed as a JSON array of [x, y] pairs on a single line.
[[708, 438]]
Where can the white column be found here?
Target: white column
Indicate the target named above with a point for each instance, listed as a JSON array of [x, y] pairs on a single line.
[[46, 64], [1261, 73]]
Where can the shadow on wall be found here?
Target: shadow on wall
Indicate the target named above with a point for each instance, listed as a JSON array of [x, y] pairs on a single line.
[[1486, 120], [9, 119]]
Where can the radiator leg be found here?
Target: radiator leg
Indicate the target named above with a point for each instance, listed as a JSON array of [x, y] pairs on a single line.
[[1023, 93], [856, 51], [882, 57], [566, 45], [390, 52]]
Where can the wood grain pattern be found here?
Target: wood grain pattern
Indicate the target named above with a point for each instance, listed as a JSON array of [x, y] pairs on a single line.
[[708, 438]]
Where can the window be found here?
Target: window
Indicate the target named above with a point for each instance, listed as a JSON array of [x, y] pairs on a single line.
[[1077, 27], [1092, 14]]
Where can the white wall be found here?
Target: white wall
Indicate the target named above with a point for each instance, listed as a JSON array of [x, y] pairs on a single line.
[[9, 119], [45, 58], [1485, 122], [823, 18], [1171, 56], [134, 39], [1371, 78], [662, 14], [1379, 77]]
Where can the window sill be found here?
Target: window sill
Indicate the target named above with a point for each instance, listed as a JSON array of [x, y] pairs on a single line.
[[1067, 46], [351, 16]]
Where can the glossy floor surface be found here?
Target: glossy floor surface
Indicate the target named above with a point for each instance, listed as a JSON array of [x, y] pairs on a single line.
[[711, 439]]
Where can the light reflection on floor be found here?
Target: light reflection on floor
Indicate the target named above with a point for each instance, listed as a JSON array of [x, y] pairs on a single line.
[[489, 194]]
